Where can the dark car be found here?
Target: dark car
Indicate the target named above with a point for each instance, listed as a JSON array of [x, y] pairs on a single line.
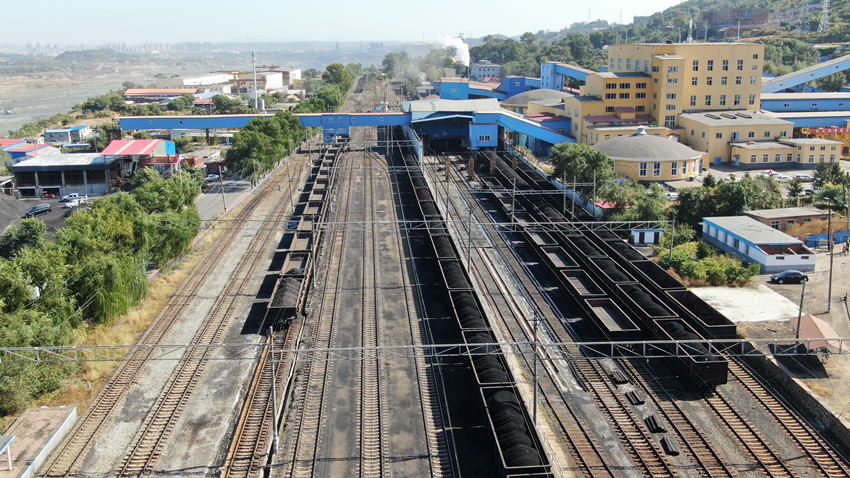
[[789, 276], [38, 209]]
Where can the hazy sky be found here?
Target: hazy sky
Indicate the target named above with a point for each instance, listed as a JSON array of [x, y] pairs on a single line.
[[154, 21]]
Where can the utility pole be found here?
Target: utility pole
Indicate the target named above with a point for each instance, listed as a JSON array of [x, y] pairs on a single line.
[[254, 68], [800, 315], [221, 184], [831, 243]]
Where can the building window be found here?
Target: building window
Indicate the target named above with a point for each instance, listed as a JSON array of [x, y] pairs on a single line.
[[674, 168], [610, 96], [722, 81], [693, 100], [752, 158], [752, 99], [656, 169], [738, 80], [789, 223], [672, 80], [708, 81], [832, 148], [646, 66], [755, 67], [484, 138], [798, 158], [569, 111], [752, 80], [710, 65], [740, 65], [640, 96], [751, 134], [654, 107], [692, 132], [707, 100], [694, 81], [718, 135], [670, 107], [765, 158], [609, 109], [811, 158], [655, 69], [790, 157], [655, 80], [774, 224], [642, 172], [640, 85], [625, 86], [607, 136], [610, 86], [821, 158], [777, 158], [696, 65], [782, 134], [684, 167], [640, 108], [755, 56], [670, 121], [619, 63], [767, 134], [671, 96], [612, 64], [628, 63], [703, 134], [722, 100], [725, 65], [672, 69], [624, 96], [737, 100], [823, 148]]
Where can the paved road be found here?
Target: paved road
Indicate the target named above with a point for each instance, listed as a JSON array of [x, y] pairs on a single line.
[[210, 203]]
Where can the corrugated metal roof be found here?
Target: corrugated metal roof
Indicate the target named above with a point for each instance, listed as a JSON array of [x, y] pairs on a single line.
[[786, 212], [66, 162], [159, 91], [829, 95], [131, 147], [751, 230]]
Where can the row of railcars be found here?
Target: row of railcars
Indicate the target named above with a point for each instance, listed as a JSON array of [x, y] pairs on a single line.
[[624, 295], [514, 438], [300, 240]]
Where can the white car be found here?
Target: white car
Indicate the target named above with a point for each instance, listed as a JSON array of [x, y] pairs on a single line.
[[782, 178], [211, 177], [72, 203], [804, 177], [672, 196]]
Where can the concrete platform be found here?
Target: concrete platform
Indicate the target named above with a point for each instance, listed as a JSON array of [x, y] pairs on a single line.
[[748, 304], [37, 431]]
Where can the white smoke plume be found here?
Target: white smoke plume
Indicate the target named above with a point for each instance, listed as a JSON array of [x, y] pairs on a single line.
[[460, 50]]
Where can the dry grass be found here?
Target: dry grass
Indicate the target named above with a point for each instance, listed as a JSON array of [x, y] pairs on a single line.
[[813, 228], [819, 389], [82, 388]]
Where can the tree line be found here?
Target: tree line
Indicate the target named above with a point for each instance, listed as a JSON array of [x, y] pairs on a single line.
[[53, 292]]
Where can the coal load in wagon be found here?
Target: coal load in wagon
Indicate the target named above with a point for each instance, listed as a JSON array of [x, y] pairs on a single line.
[[287, 293], [606, 235], [468, 313], [429, 209], [645, 301], [424, 195], [678, 332], [585, 246], [455, 277], [612, 270], [444, 248], [628, 252], [509, 424]]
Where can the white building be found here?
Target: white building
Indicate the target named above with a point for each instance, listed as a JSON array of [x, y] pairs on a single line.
[[201, 80], [483, 69], [754, 242]]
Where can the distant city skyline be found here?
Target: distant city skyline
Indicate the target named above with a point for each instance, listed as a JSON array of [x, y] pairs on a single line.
[[98, 22]]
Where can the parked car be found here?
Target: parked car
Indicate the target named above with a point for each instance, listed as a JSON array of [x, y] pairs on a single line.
[[211, 177], [38, 209], [47, 195], [70, 197], [790, 276], [804, 177], [782, 178], [672, 196], [808, 192], [76, 202]]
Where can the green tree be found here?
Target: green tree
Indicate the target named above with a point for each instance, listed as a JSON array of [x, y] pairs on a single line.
[[336, 74], [31, 233], [795, 188], [184, 102], [580, 161], [828, 173], [831, 194]]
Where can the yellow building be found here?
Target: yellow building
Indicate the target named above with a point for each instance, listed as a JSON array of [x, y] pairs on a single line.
[[715, 132], [800, 153], [652, 84], [645, 157]]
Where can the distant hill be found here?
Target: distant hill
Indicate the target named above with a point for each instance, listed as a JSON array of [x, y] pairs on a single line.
[[90, 56]]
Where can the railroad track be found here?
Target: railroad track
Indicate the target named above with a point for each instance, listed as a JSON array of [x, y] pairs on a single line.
[[66, 459], [822, 459], [160, 423], [256, 422], [429, 381], [371, 393], [309, 404]]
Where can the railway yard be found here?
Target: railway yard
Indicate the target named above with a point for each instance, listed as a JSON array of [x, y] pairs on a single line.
[[400, 317]]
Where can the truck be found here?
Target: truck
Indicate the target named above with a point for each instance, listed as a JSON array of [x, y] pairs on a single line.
[[70, 197], [77, 202]]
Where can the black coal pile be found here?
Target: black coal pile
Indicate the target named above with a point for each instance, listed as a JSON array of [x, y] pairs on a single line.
[[443, 247], [585, 246], [611, 269], [628, 252], [468, 313], [516, 443], [287, 292], [645, 301], [678, 332]]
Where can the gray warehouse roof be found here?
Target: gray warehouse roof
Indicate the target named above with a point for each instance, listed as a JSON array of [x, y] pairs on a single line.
[[65, 162], [752, 231], [522, 99], [786, 212], [459, 106], [734, 118], [645, 147]]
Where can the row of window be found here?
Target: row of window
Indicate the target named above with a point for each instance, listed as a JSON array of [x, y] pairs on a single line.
[[788, 223], [790, 157], [709, 80], [624, 96], [735, 102], [709, 66], [612, 109], [624, 86], [752, 134], [674, 168]]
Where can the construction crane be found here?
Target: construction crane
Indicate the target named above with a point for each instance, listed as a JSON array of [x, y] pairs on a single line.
[[838, 134]]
